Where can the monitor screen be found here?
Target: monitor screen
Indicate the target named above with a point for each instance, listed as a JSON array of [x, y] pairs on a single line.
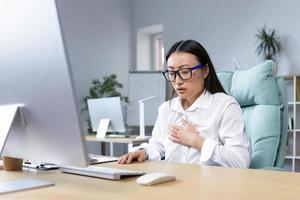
[[106, 108], [34, 71]]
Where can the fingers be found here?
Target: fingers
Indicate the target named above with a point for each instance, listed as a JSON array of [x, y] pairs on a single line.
[[175, 128], [142, 156], [174, 135], [123, 159], [139, 155], [132, 156], [173, 139], [186, 123]]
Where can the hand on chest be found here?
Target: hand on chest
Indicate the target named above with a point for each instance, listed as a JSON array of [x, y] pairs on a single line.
[[203, 121]]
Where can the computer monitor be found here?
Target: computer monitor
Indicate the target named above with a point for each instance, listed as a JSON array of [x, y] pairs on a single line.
[[106, 108], [34, 71]]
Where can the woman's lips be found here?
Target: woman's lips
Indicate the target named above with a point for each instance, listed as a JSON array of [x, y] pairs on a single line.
[[181, 90]]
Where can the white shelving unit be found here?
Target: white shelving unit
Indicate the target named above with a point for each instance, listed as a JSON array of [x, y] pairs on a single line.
[[292, 157]]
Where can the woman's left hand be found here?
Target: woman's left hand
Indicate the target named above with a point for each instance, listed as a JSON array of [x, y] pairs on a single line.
[[186, 134]]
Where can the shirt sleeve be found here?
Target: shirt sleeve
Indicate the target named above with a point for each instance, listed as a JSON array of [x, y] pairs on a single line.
[[232, 149], [154, 149]]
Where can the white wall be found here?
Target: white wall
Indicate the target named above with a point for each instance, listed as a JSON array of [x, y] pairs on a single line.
[[99, 39], [143, 51], [226, 28]]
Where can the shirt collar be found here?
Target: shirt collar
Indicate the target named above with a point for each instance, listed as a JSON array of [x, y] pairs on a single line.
[[202, 102]]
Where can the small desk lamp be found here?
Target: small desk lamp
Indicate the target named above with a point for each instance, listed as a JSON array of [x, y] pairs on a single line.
[[142, 116]]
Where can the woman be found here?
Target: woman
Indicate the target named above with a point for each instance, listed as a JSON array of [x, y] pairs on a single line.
[[202, 125]]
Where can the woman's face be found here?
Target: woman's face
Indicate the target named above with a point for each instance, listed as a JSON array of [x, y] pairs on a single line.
[[190, 89]]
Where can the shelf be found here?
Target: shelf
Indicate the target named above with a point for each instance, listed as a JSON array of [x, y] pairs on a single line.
[[292, 103], [291, 130], [292, 157]]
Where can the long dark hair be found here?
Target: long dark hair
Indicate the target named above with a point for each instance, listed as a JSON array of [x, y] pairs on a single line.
[[211, 82]]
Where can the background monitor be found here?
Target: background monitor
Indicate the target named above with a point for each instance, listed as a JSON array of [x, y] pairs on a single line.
[[34, 71], [109, 108]]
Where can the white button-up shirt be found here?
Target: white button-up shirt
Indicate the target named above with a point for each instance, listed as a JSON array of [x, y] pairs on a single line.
[[217, 118]]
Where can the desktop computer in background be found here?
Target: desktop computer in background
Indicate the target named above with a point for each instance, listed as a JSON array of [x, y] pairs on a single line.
[[34, 71], [106, 115]]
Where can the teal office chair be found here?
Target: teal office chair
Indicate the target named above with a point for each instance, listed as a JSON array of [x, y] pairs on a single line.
[[263, 100]]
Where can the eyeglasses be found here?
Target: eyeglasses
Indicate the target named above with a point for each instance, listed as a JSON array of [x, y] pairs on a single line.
[[183, 73]]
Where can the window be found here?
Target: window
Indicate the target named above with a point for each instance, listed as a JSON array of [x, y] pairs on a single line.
[[158, 51], [150, 48]]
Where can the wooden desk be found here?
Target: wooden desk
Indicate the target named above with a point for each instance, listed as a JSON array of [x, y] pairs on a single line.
[[131, 141], [193, 182]]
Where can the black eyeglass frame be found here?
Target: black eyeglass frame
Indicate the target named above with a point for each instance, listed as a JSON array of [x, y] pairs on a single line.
[[165, 73]]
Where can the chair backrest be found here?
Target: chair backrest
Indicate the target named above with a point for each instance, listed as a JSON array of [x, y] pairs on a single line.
[[263, 100]]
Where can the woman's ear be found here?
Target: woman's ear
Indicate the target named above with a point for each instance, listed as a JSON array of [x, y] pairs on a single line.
[[206, 71]]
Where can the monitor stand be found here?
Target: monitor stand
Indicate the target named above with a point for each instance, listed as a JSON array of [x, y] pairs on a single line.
[[102, 128], [9, 114]]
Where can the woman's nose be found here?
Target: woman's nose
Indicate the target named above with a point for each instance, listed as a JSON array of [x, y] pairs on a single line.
[[178, 80]]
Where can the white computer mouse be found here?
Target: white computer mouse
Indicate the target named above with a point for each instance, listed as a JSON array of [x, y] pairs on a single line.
[[155, 178]]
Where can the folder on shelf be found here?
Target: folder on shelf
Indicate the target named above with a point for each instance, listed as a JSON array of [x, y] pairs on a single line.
[[297, 89]]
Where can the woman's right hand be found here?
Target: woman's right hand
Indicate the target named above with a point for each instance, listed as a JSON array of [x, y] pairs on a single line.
[[139, 155]]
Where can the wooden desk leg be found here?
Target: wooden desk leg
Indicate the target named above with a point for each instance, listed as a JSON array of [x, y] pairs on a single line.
[[111, 147]]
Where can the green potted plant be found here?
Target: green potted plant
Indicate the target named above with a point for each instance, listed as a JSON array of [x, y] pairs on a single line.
[[269, 44], [99, 89]]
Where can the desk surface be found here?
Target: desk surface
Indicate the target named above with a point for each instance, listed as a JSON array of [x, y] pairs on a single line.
[[93, 138], [193, 182]]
